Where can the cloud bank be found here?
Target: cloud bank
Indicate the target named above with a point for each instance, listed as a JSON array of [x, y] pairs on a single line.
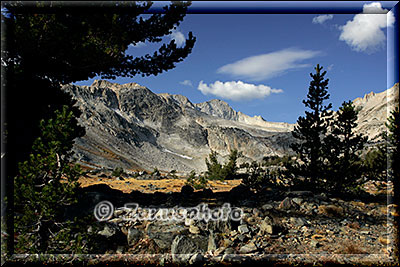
[[237, 91], [265, 66], [321, 19], [364, 33]]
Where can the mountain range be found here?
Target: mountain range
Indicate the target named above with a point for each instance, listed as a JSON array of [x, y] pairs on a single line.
[[129, 126]]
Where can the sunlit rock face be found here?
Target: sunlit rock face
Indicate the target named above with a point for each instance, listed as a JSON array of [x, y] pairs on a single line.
[[128, 125]]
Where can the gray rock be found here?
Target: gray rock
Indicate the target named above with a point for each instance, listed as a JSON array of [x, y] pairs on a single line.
[[211, 242], [267, 207], [243, 229], [163, 233], [287, 204], [242, 238], [183, 247], [297, 221], [297, 200], [108, 231], [266, 227], [229, 251], [196, 259], [248, 248], [194, 229], [219, 226], [133, 236]]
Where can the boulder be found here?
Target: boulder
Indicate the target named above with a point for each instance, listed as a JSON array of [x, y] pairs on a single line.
[[183, 247], [248, 248], [163, 233]]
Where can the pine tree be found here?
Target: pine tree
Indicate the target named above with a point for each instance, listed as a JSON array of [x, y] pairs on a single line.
[[214, 168], [217, 171], [45, 186], [342, 148], [311, 129]]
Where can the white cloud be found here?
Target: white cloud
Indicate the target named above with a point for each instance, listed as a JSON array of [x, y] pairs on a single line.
[[187, 83], [364, 33], [321, 19], [265, 66], [137, 45], [237, 91], [178, 37]]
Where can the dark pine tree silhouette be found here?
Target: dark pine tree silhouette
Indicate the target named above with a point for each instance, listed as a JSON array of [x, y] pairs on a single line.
[[311, 129], [342, 148]]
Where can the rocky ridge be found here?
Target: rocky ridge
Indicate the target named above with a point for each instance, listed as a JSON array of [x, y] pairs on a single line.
[[129, 126]]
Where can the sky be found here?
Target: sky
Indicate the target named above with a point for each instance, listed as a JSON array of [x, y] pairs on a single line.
[[260, 64]]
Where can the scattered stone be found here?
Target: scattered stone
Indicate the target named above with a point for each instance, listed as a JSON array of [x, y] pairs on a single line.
[[219, 251], [227, 242], [243, 229], [211, 242], [297, 200], [108, 231], [330, 210], [196, 259], [265, 227], [229, 251], [241, 238], [194, 229], [287, 204], [249, 248], [297, 221], [267, 207], [189, 222]]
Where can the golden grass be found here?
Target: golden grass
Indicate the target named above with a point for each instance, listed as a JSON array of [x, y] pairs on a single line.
[[168, 185]]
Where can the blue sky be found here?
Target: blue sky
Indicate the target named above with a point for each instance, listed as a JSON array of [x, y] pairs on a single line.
[[260, 63]]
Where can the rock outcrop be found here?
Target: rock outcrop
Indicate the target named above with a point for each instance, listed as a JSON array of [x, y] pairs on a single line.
[[374, 108]]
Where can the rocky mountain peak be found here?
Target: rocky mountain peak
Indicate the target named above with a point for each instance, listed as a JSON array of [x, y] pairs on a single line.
[[115, 86], [217, 108]]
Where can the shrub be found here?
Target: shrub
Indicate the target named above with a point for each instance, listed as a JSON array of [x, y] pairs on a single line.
[[173, 174], [118, 172], [375, 163], [216, 171], [155, 172], [197, 182]]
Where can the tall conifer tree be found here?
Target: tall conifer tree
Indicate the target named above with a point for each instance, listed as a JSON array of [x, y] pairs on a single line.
[[342, 149], [311, 129]]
